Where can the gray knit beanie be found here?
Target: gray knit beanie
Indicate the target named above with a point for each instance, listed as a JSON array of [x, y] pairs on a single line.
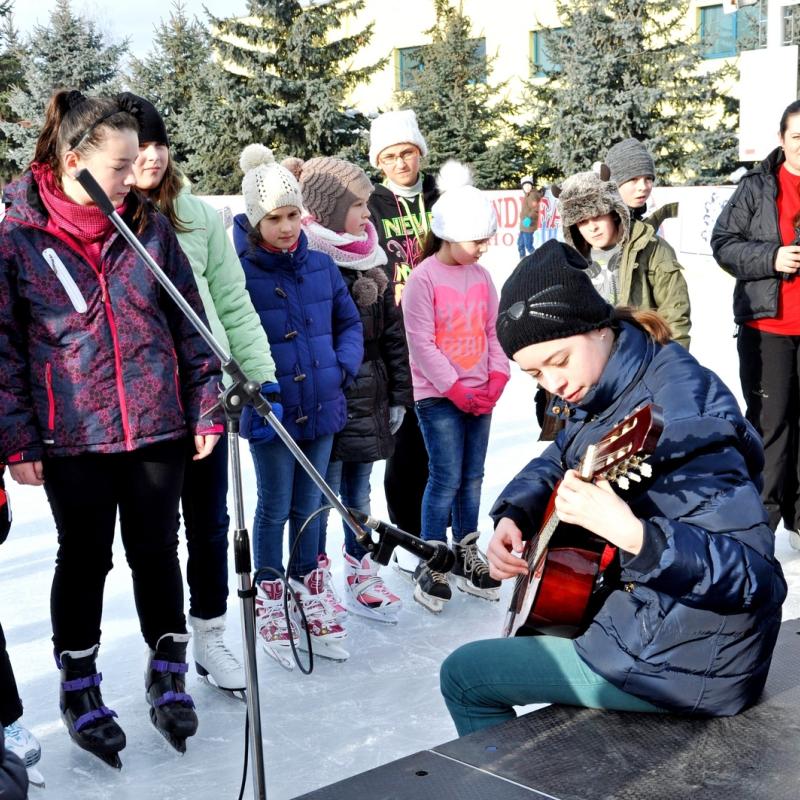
[[629, 159], [549, 296], [586, 195], [330, 186]]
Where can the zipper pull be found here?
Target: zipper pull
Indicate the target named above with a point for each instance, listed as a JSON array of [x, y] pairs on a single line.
[[103, 288]]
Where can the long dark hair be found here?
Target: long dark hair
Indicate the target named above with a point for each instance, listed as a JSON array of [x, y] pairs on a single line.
[[165, 195], [79, 123], [789, 111], [430, 246]]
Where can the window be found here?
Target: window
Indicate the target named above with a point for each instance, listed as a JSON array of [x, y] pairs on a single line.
[[723, 35], [541, 61], [410, 62], [791, 25]]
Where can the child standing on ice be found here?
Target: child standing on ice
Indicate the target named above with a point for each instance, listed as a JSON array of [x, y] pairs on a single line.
[[459, 371], [315, 335], [335, 193]]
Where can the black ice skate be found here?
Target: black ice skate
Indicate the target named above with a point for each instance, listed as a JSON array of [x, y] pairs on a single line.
[[90, 724], [471, 570], [171, 709], [432, 589]]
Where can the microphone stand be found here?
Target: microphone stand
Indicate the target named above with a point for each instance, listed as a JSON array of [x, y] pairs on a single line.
[[232, 401]]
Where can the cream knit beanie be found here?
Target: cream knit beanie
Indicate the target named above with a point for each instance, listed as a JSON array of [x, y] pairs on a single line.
[[266, 184]]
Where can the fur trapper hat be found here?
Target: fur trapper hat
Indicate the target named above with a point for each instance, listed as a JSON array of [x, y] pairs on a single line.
[[266, 184], [586, 195], [330, 186], [463, 213]]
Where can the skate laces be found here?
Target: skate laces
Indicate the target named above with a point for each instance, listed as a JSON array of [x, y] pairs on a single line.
[[22, 743], [438, 577], [474, 562], [330, 598], [218, 652]]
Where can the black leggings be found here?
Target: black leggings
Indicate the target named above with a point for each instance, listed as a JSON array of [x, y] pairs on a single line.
[[85, 492], [10, 704]]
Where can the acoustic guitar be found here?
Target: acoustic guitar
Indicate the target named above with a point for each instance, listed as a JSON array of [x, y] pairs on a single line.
[[571, 570]]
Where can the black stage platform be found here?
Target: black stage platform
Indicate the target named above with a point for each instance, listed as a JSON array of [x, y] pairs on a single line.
[[569, 753]]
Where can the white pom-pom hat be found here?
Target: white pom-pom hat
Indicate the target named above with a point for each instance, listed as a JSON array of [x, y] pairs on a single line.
[[266, 184], [391, 128], [463, 213]]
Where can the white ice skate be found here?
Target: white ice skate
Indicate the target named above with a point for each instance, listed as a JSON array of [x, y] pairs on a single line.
[[471, 570], [365, 592], [336, 606], [23, 744], [432, 588], [794, 540], [273, 631], [404, 563], [215, 663], [327, 635]]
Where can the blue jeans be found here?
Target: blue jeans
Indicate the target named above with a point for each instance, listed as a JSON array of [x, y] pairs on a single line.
[[482, 681], [285, 492], [456, 443], [350, 480], [525, 243]]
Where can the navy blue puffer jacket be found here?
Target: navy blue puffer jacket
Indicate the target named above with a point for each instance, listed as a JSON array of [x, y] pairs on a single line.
[[694, 627], [314, 330]]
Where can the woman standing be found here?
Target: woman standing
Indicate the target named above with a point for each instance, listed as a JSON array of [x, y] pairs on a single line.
[[101, 381], [236, 327], [756, 240]]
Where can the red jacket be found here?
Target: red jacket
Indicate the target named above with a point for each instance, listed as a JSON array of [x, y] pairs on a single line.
[[94, 360]]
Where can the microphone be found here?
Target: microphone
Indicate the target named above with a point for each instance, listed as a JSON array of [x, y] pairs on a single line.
[[437, 555]]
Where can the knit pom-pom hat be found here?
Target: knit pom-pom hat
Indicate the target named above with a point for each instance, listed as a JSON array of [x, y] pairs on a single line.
[[266, 184], [549, 296], [463, 213], [330, 186]]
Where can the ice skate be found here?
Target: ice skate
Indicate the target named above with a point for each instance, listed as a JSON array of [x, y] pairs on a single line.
[[273, 631], [794, 540], [331, 598], [432, 588], [215, 663], [471, 570], [327, 635], [365, 592], [89, 723], [171, 709], [404, 563], [25, 746]]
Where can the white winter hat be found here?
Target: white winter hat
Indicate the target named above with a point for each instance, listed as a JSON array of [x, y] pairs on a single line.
[[394, 127], [266, 184], [463, 213]]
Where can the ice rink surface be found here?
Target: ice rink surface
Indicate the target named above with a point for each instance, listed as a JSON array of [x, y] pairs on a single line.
[[383, 703]]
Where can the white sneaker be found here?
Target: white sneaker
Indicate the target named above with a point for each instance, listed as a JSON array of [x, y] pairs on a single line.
[[366, 592], [794, 540], [23, 744], [338, 609], [212, 656]]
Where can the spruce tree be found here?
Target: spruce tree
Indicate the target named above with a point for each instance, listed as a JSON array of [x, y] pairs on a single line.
[[177, 69], [628, 68], [69, 52], [287, 78], [11, 76], [460, 114]]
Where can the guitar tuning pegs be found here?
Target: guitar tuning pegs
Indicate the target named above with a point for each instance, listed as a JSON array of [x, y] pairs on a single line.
[[646, 470], [623, 482], [634, 477]]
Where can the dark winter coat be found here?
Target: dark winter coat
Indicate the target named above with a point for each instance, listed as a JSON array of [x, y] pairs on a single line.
[[313, 328], [383, 379], [13, 775], [94, 361], [694, 626], [746, 238], [396, 231]]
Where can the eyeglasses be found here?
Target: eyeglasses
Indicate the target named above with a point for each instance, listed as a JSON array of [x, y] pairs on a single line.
[[391, 160]]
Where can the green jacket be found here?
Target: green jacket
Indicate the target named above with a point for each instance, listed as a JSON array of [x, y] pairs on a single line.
[[220, 280], [650, 277]]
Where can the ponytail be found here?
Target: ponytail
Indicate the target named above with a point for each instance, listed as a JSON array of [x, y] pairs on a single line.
[[76, 122], [651, 322]]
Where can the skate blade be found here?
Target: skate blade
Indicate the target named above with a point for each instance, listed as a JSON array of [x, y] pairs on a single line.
[[331, 651], [35, 778], [173, 741], [233, 694], [387, 617], [463, 585], [408, 574], [282, 654], [112, 759], [433, 604]]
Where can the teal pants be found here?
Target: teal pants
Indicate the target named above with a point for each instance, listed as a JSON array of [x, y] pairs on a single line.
[[482, 681]]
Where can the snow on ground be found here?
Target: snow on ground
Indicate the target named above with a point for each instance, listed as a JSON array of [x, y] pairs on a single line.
[[345, 718]]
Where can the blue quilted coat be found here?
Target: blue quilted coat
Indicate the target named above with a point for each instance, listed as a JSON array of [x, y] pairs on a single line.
[[692, 626], [314, 330]]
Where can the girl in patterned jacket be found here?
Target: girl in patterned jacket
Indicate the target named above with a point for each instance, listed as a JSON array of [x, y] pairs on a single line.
[[102, 379], [458, 373]]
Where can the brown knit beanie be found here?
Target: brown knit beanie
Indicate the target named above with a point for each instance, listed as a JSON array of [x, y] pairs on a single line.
[[330, 186], [549, 296]]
